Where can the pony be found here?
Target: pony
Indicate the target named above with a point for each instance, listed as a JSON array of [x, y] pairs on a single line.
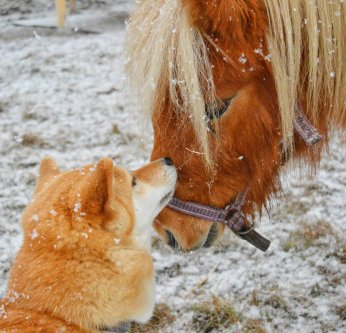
[[223, 82]]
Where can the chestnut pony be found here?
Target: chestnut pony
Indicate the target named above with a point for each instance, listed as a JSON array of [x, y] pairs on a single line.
[[221, 81]]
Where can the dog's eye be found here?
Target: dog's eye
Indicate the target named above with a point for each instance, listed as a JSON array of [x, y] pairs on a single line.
[[220, 111], [134, 181]]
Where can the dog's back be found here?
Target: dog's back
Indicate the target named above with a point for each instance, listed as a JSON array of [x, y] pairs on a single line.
[[28, 321]]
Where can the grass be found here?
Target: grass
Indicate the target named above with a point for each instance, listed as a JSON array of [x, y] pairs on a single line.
[[270, 304], [216, 314], [219, 315], [253, 326], [307, 235], [277, 302], [255, 298], [31, 139], [161, 318], [342, 254], [341, 311], [294, 207]]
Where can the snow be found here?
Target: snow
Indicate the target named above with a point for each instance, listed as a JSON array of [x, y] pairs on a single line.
[[35, 218], [242, 59], [53, 212], [62, 95], [34, 234]]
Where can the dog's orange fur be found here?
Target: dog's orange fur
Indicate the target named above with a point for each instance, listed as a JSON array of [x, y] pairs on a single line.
[[79, 268], [248, 152]]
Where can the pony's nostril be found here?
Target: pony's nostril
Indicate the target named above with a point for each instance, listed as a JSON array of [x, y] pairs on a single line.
[[171, 241], [168, 161], [212, 235]]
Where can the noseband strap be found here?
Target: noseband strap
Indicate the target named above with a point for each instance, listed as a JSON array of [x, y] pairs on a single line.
[[232, 215]]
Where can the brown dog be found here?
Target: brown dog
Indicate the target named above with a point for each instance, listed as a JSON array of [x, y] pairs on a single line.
[[85, 262]]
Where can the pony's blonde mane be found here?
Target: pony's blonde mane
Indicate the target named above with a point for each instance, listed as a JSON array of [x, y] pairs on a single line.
[[165, 55], [307, 42]]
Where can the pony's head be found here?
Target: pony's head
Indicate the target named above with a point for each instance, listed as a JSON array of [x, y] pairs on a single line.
[[221, 80]]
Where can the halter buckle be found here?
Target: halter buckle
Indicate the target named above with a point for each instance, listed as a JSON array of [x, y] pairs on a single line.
[[235, 220]]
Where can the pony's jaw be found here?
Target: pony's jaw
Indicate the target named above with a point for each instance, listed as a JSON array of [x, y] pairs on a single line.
[[185, 233]]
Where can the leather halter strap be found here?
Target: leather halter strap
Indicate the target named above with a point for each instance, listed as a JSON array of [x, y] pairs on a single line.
[[232, 215]]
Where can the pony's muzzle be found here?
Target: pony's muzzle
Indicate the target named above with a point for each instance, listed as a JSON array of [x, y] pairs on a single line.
[[206, 242]]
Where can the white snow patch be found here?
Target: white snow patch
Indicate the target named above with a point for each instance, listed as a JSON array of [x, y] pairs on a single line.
[[53, 212], [34, 234], [35, 218]]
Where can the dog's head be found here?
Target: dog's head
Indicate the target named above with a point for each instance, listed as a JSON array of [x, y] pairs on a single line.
[[76, 204]]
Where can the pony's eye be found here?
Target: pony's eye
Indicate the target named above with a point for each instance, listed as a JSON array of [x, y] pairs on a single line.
[[220, 111], [134, 181]]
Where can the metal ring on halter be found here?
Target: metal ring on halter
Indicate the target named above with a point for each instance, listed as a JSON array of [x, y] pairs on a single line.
[[252, 226]]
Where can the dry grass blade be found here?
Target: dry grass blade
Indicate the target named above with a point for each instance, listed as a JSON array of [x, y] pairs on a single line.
[[216, 314], [162, 317]]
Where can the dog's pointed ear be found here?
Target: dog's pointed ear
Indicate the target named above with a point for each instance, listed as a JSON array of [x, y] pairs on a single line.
[[48, 169], [105, 169], [98, 189]]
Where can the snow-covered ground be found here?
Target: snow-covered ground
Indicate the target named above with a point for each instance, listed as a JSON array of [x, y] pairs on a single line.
[[62, 94]]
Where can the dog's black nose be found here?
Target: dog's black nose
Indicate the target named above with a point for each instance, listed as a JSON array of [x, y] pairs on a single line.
[[168, 161]]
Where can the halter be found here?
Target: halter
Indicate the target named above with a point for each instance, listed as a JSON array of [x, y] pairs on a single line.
[[232, 215]]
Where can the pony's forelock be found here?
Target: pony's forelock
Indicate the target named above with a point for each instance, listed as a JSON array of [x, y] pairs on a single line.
[[166, 57]]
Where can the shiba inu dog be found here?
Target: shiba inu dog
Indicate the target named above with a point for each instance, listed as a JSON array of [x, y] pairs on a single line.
[[85, 263]]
